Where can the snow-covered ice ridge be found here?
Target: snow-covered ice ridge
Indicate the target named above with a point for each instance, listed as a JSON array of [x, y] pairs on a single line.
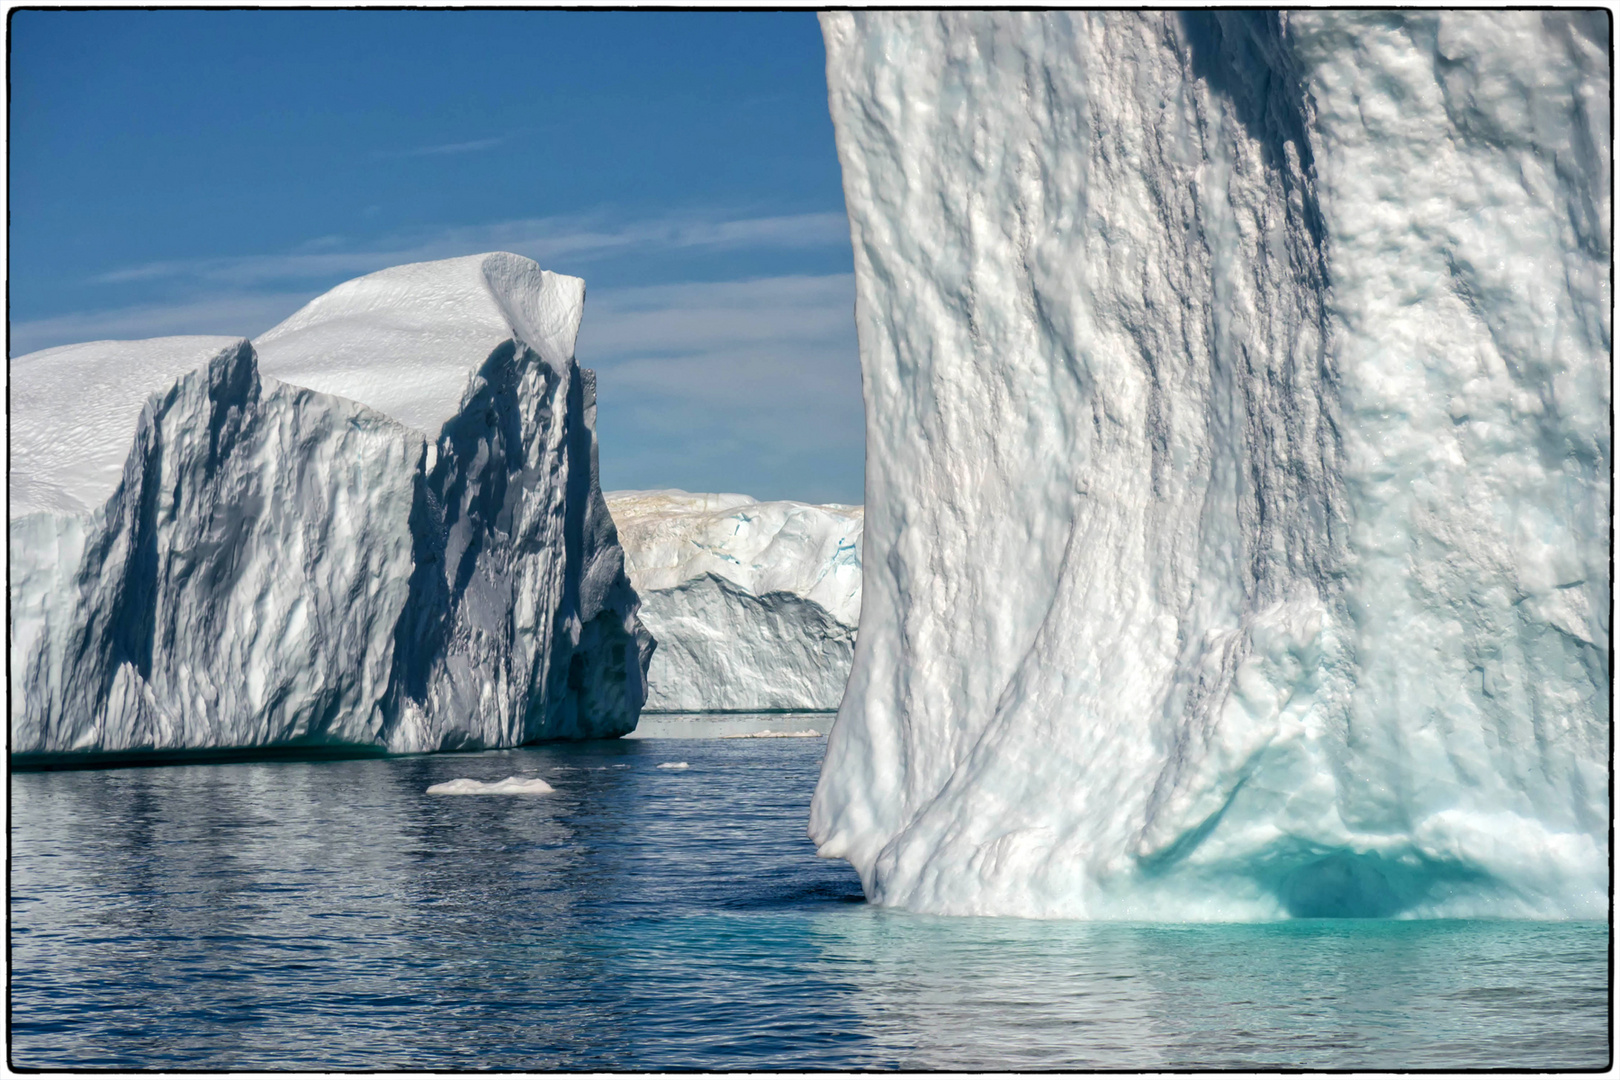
[[1238, 448], [753, 604], [276, 564]]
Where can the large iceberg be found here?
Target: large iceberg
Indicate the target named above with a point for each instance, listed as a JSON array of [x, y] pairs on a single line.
[[1238, 392], [754, 604], [276, 564]]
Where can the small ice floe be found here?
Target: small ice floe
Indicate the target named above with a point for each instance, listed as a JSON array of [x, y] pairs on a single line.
[[512, 785], [807, 733], [674, 765]]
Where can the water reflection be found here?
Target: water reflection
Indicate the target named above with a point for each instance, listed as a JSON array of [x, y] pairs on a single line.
[[986, 994], [330, 915], [1368, 994]]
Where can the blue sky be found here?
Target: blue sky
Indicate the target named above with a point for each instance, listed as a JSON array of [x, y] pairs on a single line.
[[179, 172]]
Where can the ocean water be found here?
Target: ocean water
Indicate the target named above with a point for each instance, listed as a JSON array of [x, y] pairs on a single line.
[[331, 915]]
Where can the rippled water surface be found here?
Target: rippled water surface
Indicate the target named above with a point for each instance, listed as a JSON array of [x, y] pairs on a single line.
[[333, 915]]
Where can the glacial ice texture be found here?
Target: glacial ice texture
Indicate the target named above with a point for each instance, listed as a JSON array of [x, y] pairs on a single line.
[[69, 459], [1238, 446], [753, 604], [281, 566]]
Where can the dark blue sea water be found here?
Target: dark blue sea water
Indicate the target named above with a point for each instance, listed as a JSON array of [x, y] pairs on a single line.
[[331, 915]]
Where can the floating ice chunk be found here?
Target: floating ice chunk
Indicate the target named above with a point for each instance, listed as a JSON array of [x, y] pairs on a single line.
[[512, 785], [674, 765], [807, 733]]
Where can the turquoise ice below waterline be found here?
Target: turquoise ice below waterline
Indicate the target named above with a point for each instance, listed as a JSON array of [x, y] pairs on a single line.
[[334, 915]]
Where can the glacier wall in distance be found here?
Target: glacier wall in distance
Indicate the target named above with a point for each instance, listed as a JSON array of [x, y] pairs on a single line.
[[1238, 463], [753, 604], [282, 566]]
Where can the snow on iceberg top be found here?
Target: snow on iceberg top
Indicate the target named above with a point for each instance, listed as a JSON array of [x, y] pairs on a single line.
[[73, 414], [406, 340], [672, 536]]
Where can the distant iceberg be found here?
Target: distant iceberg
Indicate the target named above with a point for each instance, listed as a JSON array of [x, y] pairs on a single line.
[[1238, 463], [753, 604], [380, 528]]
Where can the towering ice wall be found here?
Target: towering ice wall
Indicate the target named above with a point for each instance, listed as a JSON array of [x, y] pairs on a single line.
[[281, 565], [753, 604], [1238, 463]]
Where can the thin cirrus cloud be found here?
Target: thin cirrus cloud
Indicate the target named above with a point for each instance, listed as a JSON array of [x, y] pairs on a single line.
[[769, 350], [750, 385], [471, 147], [245, 314], [546, 240], [248, 294], [680, 318]]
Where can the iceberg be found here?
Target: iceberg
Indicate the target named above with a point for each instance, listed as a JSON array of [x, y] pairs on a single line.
[[279, 565], [1238, 458], [753, 604]]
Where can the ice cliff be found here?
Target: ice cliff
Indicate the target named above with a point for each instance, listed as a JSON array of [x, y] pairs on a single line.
[[753, 604], [1238, 439], [277, 564]]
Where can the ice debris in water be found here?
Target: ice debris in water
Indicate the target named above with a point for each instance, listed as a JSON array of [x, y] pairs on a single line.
[[512, 785], [807, 733], [753, 604], [379, 526], [674, 765], [1238, 462]]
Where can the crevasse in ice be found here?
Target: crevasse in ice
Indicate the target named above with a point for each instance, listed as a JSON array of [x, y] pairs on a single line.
[[753, 604], [1238, 442], [278, 564]]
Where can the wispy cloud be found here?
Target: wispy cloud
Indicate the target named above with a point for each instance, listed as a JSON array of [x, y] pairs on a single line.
[[238, 314], [546, 240], [470, 147], [740, 385], [750, 385], [687, 319]]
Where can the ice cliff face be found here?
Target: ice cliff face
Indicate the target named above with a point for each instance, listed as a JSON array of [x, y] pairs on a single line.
[[753, 604], [1238, 463], [279, 565]]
